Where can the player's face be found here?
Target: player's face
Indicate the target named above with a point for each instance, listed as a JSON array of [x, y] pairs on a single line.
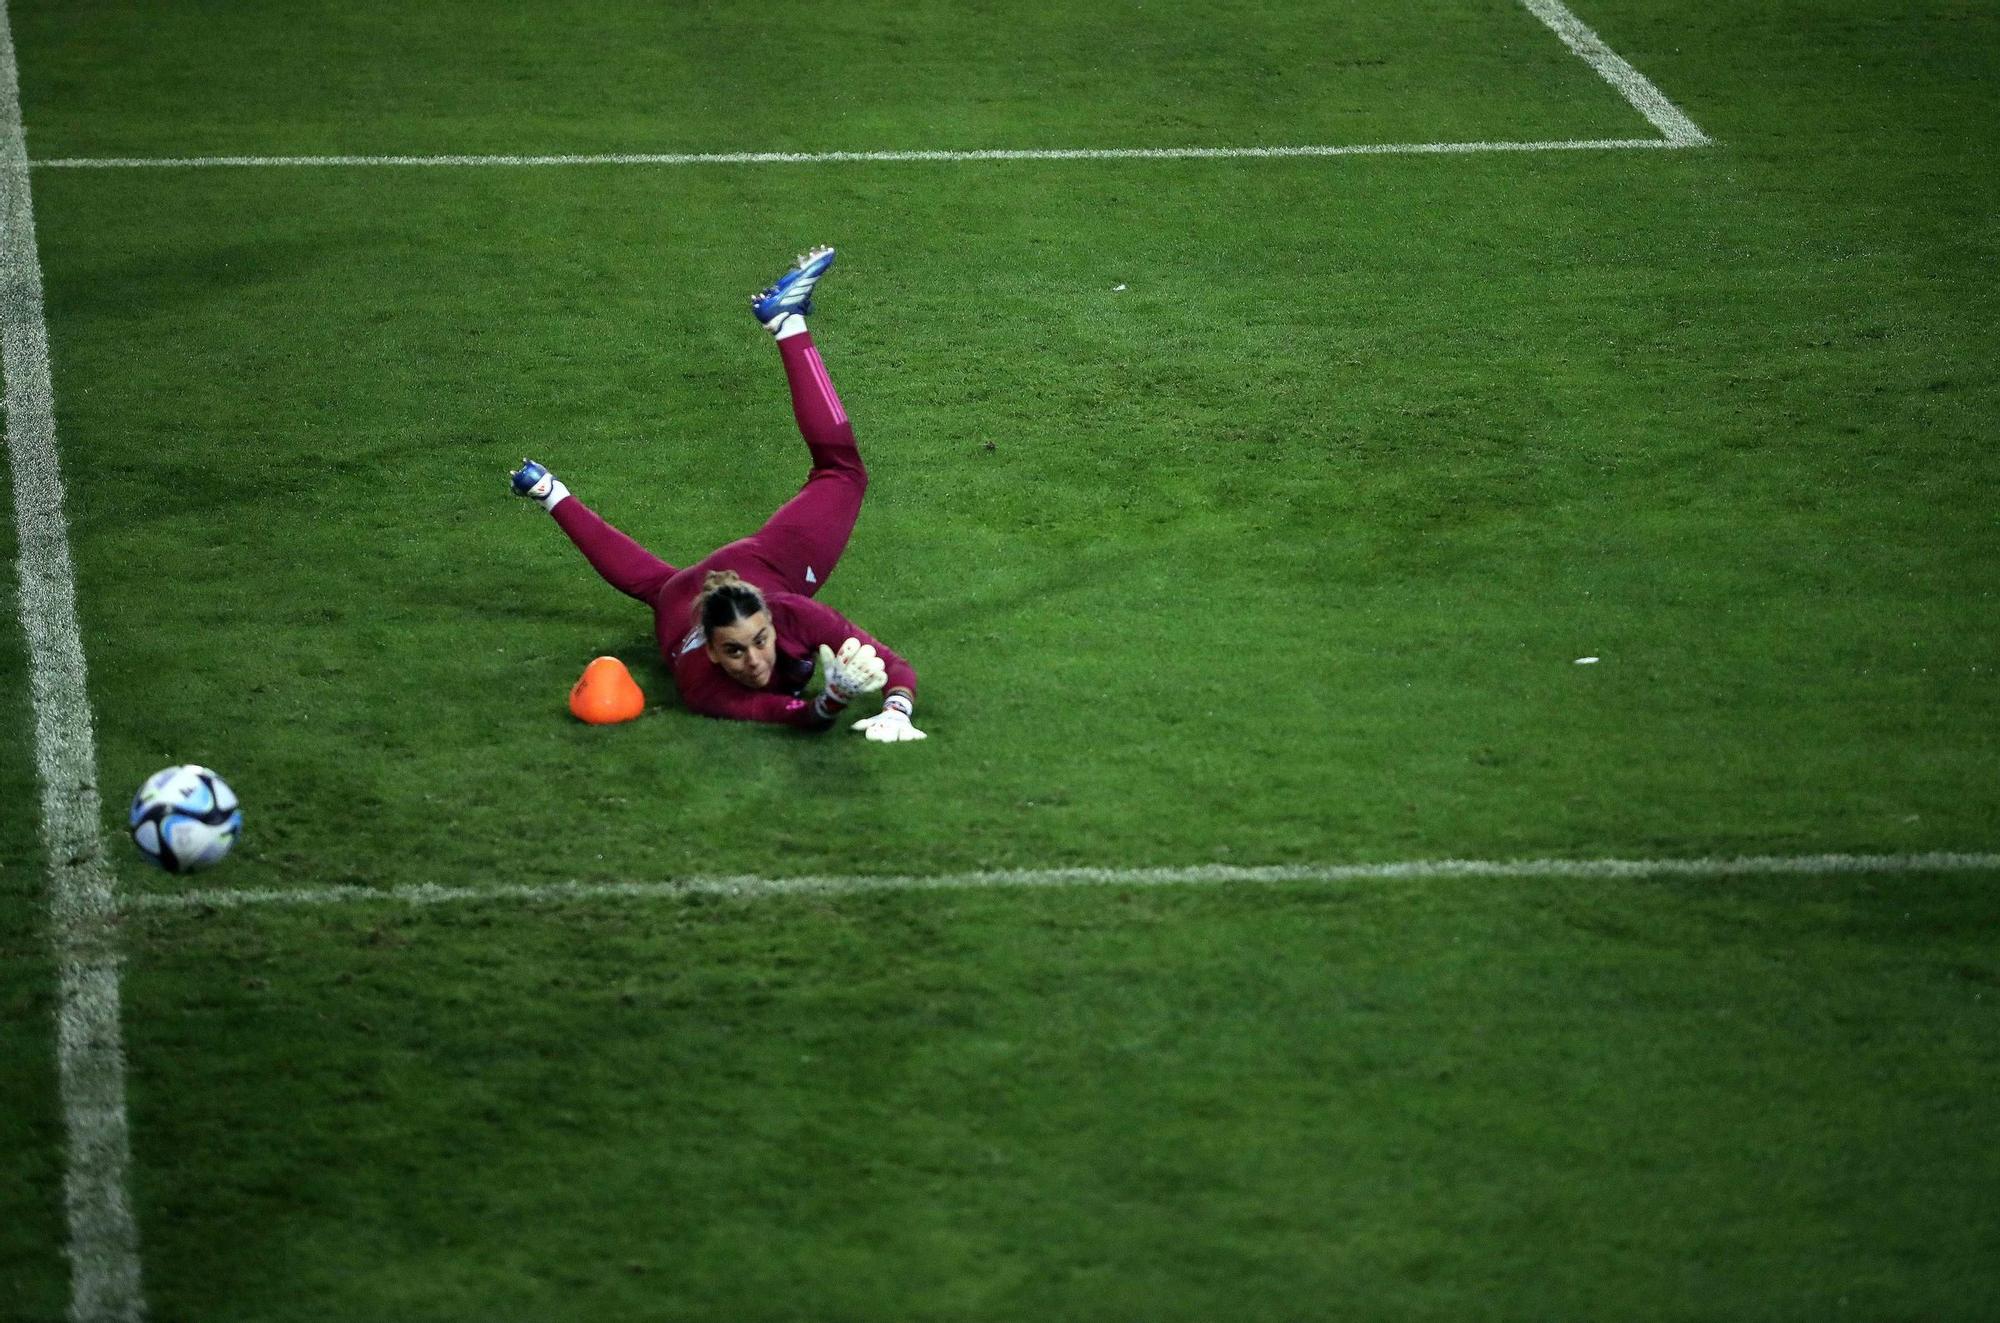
[[747, 651]]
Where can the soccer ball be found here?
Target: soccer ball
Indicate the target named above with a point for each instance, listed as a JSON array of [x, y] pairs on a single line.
[[185, 818]]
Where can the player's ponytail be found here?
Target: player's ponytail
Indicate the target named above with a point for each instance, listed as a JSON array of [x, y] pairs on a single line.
[[725, 599]]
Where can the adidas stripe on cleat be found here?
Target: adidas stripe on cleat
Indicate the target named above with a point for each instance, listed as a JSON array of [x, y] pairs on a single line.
[[532, 480], [792, 292]]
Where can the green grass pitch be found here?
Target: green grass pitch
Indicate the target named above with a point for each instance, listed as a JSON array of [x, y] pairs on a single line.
[[1243, 511]]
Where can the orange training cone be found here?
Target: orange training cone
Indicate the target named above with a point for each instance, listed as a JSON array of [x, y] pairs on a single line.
[[606, 694]]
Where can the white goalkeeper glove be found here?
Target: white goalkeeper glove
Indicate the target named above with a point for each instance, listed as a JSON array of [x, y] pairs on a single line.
[[892, 724], [852, 671]]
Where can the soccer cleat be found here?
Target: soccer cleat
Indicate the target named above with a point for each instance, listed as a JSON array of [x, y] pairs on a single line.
[[792, 292], [532, 480]]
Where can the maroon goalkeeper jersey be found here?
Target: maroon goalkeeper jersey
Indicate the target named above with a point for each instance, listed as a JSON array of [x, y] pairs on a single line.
[[802, 625]]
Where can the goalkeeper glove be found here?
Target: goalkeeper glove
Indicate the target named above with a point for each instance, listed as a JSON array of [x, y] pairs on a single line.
[[892, 724], [854, 670]]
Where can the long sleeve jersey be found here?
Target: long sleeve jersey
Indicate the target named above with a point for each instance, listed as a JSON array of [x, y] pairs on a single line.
[[801, 625]]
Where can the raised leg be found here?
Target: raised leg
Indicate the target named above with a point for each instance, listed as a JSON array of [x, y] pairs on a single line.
[[798, 547], [623, 563]]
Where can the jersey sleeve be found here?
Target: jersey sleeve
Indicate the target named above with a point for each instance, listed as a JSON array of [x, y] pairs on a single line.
[[812, 623], [709, 693]]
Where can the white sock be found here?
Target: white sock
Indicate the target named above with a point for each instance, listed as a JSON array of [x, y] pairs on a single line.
[[557, 493], [786, 326]]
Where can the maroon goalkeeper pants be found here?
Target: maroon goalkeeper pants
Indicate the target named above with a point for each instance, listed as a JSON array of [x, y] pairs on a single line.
[[793, 552]]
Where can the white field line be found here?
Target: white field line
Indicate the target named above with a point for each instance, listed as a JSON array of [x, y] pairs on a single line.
[[1648, 100], [1676, 128], [752, 888], [835, 158], [83, 905]]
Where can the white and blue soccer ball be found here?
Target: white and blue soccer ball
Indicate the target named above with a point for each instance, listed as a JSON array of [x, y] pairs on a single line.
[[185, 818]]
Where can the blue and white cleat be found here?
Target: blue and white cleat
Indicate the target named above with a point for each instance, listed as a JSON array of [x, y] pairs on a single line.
[[532, 480], [792, 292]]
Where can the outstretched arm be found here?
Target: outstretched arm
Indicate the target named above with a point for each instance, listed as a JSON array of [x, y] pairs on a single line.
[[710, 694], [816, 623], [847, 673]]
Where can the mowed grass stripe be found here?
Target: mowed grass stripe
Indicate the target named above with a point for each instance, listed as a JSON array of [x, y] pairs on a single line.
[[751, 887], [103, 1234]]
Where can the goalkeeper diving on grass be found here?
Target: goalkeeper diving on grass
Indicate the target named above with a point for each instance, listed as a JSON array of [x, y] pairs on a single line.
[[740, 627]]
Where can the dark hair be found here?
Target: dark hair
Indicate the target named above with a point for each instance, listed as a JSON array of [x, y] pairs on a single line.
[[725, 599]]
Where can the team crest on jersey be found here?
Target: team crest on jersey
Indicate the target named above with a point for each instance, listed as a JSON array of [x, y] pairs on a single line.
[[691, 642]]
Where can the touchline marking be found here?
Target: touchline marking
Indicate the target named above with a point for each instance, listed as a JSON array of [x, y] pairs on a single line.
[[833, 158], [751, 888], [83, 905], [1635, 87]]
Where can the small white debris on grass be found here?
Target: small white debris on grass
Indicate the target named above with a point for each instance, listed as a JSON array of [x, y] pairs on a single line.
[[1586, 661], [1117, 289]]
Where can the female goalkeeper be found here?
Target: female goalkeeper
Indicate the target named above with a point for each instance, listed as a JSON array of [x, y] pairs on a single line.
[[740, 628]]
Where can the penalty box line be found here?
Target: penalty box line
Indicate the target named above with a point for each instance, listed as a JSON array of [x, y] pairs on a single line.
[[1675, 128], [755, 888], [1637, 89], [837, 158]]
